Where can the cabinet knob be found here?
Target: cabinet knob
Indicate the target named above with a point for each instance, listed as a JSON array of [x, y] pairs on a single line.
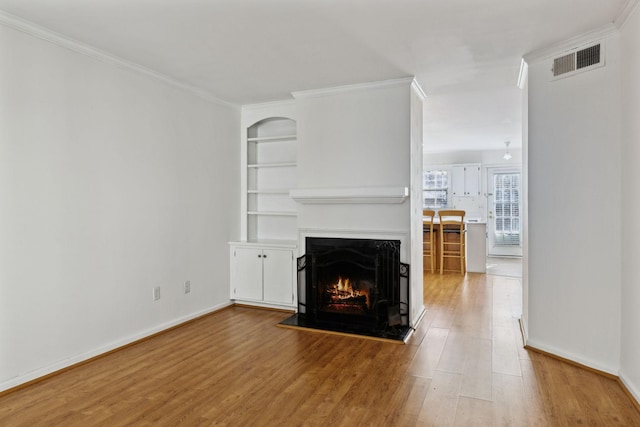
[[259, 256], [264, 256]]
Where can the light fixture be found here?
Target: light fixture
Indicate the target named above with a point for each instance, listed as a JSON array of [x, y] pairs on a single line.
[[507, 154]]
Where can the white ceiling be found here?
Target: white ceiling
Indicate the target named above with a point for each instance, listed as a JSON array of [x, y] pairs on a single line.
[[464, 53]]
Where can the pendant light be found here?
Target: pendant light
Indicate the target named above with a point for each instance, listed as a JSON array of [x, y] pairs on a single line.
[[507, 154]]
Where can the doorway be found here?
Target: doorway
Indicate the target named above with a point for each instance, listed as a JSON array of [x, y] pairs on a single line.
[[504, 211]]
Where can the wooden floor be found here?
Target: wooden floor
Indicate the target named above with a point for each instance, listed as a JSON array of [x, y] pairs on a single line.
[[464, 366]]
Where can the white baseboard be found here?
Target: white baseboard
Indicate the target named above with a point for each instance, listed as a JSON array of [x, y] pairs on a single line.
[[259, 304], [62, 364], [572, 357], [524, 329], [631, 388], [415, 323]]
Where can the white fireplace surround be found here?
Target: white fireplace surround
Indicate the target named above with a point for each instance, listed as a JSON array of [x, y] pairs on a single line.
[[350, 195]]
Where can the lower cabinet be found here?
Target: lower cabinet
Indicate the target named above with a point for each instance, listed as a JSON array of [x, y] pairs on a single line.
[[262, 274]]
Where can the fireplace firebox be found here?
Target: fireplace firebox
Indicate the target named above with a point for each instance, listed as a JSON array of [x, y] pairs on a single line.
[[356, 286]]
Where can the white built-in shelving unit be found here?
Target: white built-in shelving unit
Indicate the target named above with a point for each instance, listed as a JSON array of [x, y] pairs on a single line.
[[262, 262], [271, 154]]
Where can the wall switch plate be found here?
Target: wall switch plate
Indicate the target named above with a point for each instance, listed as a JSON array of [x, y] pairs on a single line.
[[156, 293], [187, 286]]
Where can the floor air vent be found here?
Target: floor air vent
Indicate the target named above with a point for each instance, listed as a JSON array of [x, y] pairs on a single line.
[[578, 60]]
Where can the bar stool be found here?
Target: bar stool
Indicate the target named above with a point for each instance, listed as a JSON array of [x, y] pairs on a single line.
[[452, 238], [429, 238]]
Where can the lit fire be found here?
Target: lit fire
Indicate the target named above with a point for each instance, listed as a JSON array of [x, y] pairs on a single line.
[[343, 292]]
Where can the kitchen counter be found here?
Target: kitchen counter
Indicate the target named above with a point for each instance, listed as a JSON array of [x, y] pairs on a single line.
[[475, 245], [470, 220]]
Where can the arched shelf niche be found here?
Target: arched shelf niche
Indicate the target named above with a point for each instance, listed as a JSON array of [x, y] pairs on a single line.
[[271, 161]]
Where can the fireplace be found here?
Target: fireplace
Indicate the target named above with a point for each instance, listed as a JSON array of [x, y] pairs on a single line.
[[356, 286]]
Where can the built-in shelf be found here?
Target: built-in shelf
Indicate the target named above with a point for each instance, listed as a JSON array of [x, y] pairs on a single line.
[[263, 263], [351, 195], [272, 138], [269, 160]]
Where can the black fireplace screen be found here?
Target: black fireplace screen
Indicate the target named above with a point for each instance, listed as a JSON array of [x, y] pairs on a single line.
[[357, 284]]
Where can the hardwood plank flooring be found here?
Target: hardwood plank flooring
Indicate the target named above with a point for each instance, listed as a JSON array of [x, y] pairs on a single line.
[[463, 366]]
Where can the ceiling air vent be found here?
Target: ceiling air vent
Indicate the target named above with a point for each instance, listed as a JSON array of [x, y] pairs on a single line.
[[578, 60]]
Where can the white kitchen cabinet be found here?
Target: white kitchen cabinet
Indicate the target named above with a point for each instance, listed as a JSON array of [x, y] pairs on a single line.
[[465, 180], [262, 274]]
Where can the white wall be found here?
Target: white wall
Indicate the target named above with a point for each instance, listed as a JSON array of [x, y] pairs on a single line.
[[574, 182], [350, 137], [630, 331], [111, 183]]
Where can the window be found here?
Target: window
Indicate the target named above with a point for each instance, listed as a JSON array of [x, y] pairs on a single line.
[[435, 189], [506, 205]]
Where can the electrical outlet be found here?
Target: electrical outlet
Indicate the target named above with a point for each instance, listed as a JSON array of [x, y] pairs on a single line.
[[187, 286], [156, 293]]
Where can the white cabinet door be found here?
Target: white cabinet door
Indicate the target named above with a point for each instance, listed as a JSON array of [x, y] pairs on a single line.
[[457, 181], [247, 273], [278, 275], [472, 181], [262, 274], [465, 180]]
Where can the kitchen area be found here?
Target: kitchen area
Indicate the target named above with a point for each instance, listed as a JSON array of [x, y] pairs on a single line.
[[487, 186]]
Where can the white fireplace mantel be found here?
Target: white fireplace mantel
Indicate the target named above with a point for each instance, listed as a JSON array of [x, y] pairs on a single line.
[[350, 195]]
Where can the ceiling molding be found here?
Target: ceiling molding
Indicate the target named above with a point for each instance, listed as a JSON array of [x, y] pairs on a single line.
[[572, 43], [405, 81], [34, 30], [269, 105], [627, 10]]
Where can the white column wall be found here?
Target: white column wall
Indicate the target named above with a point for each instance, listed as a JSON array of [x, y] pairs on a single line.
[[358, 137], [355, 138], [630, 330], [574, 181], [111, 183], [417, 147], [524, 319]]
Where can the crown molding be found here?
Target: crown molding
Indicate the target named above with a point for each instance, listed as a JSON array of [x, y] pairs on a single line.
[[627, 10], [314, 93], [572, 43], [269, 105], [43, 33]]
